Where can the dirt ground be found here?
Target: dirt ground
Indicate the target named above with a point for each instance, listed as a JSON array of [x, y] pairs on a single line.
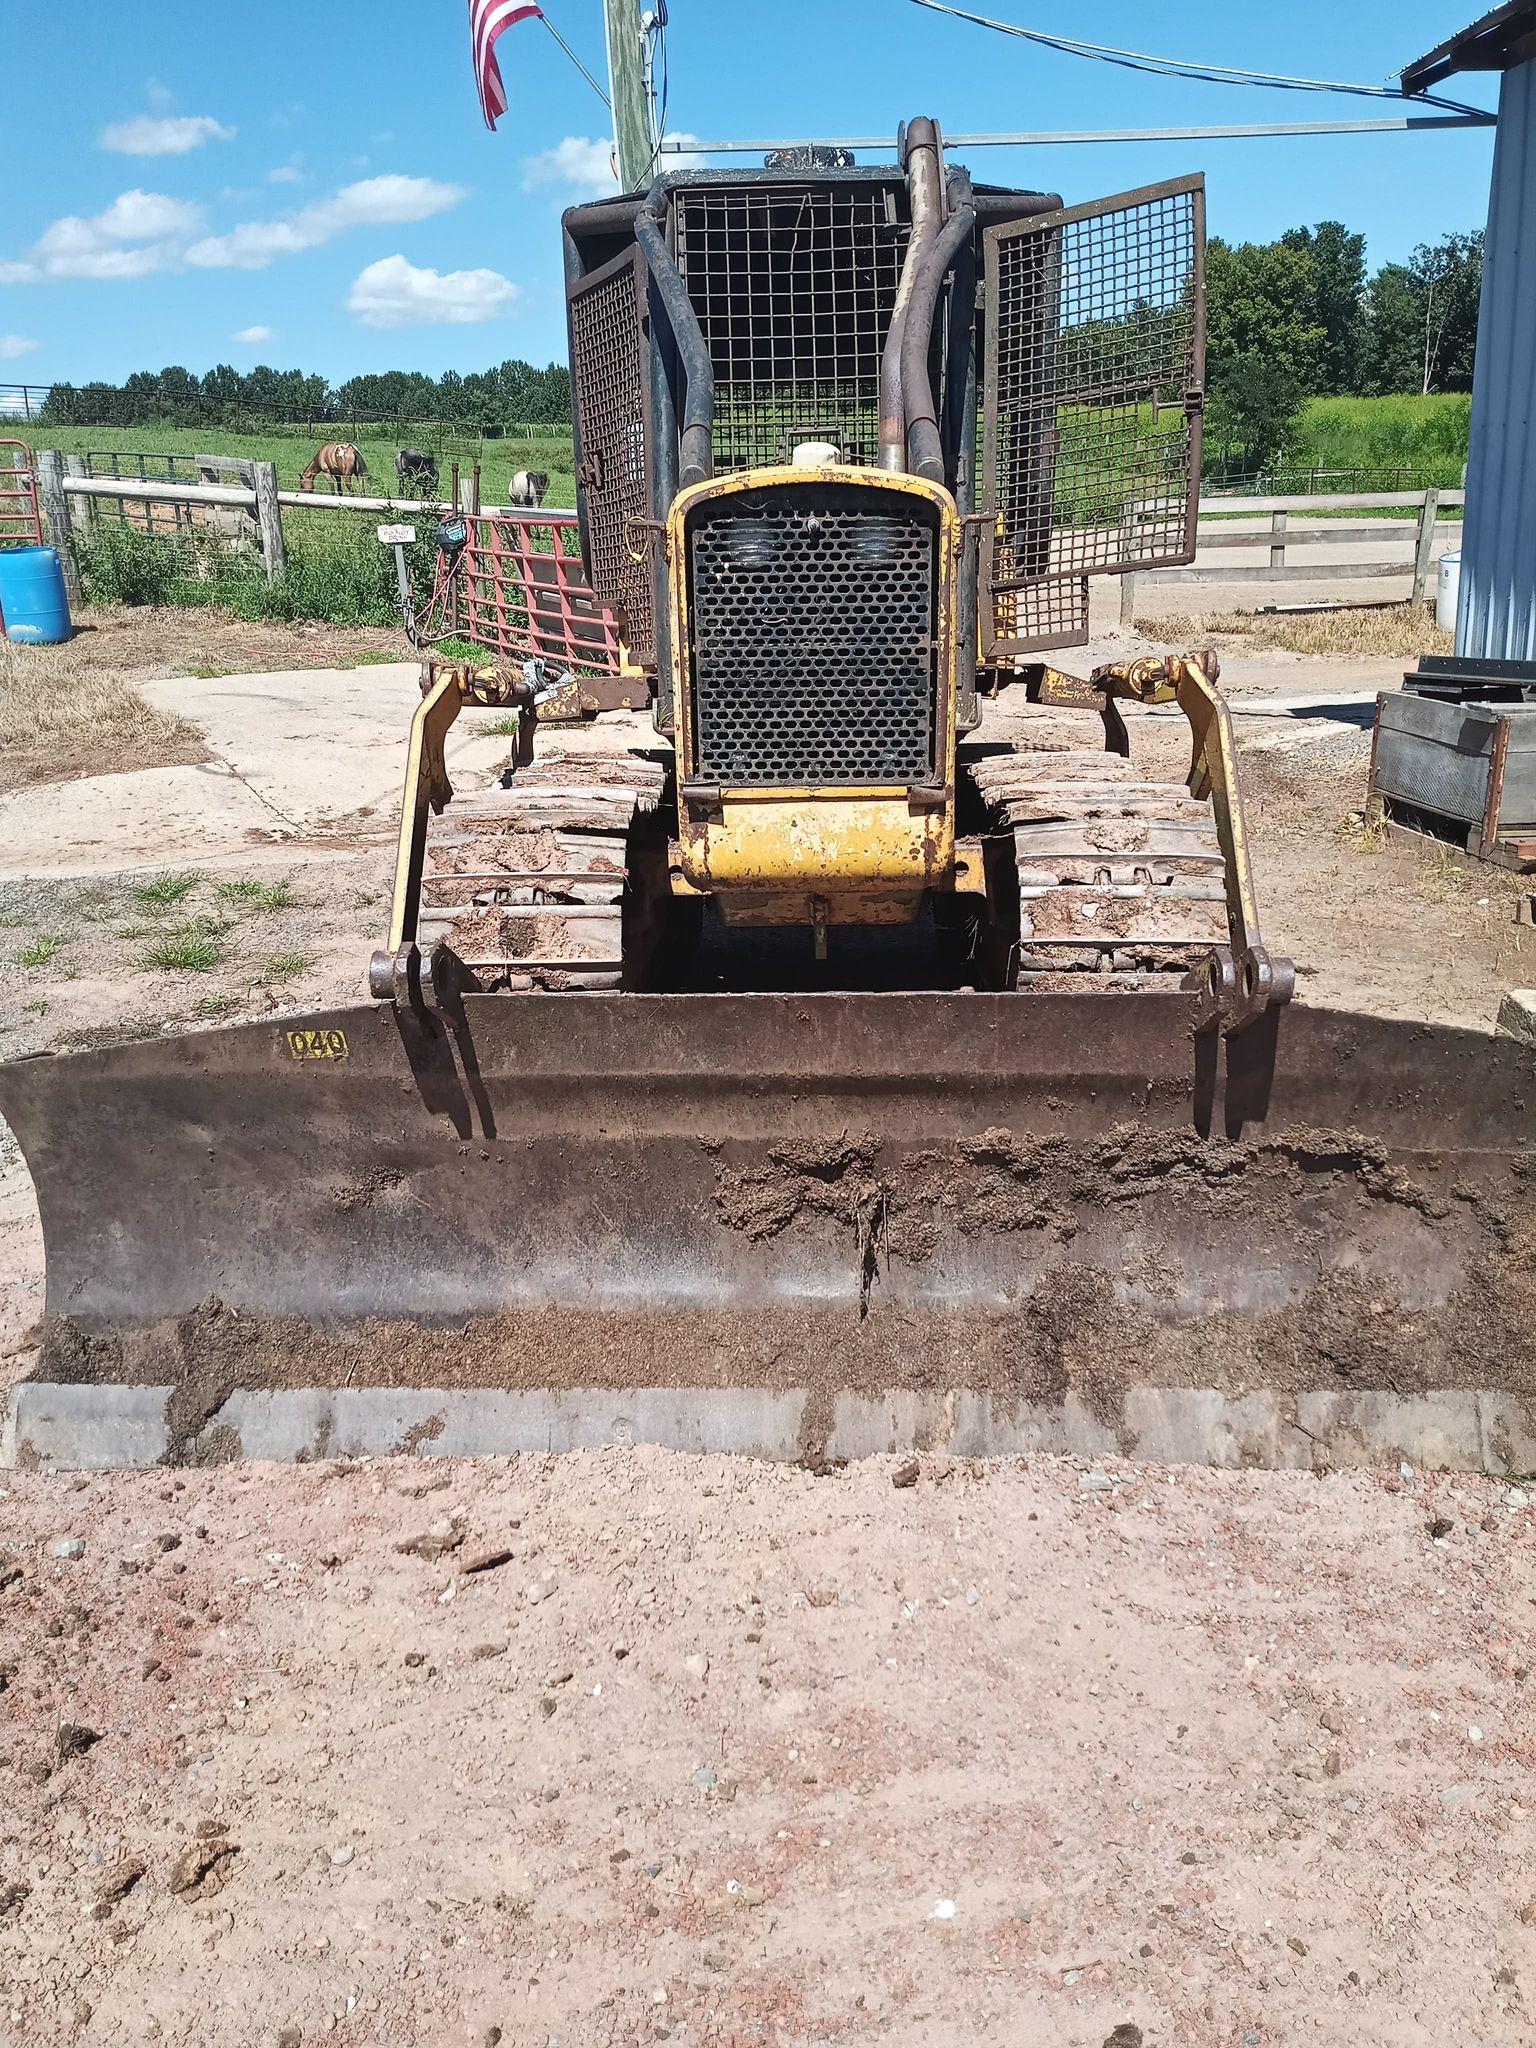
[[724, 1752]]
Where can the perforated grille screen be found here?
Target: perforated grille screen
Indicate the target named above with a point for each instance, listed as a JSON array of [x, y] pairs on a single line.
[[1093, 361], [610, 388], [793, 286], [812, 617]]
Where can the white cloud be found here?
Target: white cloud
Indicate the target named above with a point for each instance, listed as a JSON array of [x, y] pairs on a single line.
[[14, 345], [285, 174], [386, 201], [394, 293], [576, 166], [144, 232], [252, 337], [163, 134], [132, 217], [138, 233]]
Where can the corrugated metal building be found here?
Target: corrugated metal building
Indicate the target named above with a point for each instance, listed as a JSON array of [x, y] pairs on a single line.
[[1496, 618]]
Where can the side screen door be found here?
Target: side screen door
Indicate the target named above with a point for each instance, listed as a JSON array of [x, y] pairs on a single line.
[[611, 389], [1094, 367]]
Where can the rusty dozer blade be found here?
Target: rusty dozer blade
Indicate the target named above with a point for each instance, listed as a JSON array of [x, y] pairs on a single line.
[[806, 1225]]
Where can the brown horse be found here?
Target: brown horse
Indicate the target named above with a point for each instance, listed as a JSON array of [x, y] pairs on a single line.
[[338, 460]]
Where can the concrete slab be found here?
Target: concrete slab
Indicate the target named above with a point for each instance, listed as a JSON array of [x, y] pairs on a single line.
[[306, 757], [320, 747], [59, 1427], [85, 1429]]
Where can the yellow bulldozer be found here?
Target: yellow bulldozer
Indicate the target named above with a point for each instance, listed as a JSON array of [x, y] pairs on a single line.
[[875, 1053]]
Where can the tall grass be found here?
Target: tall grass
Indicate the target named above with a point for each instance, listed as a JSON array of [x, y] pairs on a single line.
[[1403, 432], [337, 572]]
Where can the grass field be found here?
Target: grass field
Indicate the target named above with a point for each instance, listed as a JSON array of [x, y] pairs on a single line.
[[1405, 432], [291, 450], [338, 572]]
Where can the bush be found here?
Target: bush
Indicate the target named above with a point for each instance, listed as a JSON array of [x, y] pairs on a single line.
[[121, 564]]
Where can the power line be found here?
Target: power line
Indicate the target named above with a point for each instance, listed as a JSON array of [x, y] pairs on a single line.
[[1198, 70]]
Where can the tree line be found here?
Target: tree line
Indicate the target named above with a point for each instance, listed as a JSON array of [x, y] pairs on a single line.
[[512, 392], [1300, 318]]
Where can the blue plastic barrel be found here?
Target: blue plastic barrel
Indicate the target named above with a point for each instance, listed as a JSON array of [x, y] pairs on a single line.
[[32, 596]]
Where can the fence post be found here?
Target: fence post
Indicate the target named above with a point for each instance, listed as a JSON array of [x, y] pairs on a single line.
[[269, 519], [1128, 598], [1277, 525], [83, 510], [1421, 553], [50, 487]]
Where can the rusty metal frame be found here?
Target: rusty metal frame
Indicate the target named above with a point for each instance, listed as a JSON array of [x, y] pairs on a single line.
[[1001, 644], [18, 488], [631, 594]]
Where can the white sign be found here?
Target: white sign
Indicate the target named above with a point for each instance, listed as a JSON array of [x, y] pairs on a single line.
[[397, 536]]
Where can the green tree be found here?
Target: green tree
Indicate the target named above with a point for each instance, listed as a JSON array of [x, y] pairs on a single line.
[[1337, 260], [1421, 318], [1252, 413], [1261, 302]]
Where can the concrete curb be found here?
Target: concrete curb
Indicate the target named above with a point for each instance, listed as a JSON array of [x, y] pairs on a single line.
[[54, 1427]]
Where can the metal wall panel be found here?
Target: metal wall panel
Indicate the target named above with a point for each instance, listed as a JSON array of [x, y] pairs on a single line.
[[1496, 617]]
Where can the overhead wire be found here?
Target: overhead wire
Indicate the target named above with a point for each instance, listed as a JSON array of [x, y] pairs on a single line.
[[1198, 70]]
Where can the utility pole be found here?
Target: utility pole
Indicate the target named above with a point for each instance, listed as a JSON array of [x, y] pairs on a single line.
[[626, 88]]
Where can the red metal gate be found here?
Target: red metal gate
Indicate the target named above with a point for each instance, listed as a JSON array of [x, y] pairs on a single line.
[[524, 595], [21, 524]]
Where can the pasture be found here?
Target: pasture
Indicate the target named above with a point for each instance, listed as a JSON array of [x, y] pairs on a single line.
[[291, 448]]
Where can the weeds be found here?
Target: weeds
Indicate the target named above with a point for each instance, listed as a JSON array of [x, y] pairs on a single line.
[[1404, 630], [215, 1006], [187, 949], [41, 950], [1363, 831], [283, 967], [164, 892], [252, 895]]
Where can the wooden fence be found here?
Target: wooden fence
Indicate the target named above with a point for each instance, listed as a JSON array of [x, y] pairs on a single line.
[[1220, 529], [69, 497], [63, 486]]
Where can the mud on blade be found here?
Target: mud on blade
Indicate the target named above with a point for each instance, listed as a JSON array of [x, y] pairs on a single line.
[[868, 1195]]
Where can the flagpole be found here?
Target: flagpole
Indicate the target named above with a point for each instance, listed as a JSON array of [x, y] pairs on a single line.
[[626, 90]]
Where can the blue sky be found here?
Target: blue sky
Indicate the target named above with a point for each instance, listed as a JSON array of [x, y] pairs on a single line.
[[309, 183]]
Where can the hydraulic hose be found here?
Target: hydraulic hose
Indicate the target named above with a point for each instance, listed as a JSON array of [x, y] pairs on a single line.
[[925, 187], [696, 418], [924, 445]]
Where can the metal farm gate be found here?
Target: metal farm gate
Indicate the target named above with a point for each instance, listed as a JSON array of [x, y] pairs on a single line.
[[21, 522]]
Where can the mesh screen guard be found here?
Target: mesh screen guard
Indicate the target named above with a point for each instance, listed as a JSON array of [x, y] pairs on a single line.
[[812, 618], [610, 379], [793, 286], [1093, 366]]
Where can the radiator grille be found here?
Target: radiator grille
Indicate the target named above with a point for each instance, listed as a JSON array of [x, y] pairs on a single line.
[[812, 622], [794, 287], [610, 385]]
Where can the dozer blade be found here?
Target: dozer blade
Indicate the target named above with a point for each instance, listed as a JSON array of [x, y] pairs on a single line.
[[806, 1226]]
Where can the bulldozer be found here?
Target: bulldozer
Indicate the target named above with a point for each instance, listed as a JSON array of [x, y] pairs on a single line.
[[871, 1053]]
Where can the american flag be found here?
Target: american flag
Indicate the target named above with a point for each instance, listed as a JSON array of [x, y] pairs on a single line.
[[487, 19]]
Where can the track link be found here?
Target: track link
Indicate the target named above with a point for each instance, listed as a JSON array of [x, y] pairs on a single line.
[[1118, 877], [534, 884]]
